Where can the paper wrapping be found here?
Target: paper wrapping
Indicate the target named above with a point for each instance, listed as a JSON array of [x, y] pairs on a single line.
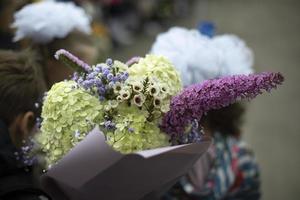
[[93, 170]]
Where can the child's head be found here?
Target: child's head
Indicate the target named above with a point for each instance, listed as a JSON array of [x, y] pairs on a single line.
[[21, 88], [69, 27], [78, 43]]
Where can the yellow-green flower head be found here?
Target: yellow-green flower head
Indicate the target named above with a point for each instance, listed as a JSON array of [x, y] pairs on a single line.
[[160, 68], [134, 133], [68, 113], [121, 66]]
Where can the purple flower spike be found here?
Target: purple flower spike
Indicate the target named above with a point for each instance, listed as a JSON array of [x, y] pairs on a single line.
[[197, 99], [133, 60], [72, 61]]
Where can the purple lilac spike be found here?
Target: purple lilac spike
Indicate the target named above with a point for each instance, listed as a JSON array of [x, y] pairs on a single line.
[[133, 60], [73, 58], [197, 99]]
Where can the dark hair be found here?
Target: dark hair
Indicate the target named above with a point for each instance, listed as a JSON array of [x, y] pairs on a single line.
[[226, 121], [21, 84]]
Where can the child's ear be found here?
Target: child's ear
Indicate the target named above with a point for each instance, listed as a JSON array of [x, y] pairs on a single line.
[[21, 128], [27, 124]]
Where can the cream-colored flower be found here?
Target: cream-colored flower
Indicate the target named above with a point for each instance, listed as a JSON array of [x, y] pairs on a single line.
[[137, 86], [157, 102], [138, 99], [125, 94], [117, 87], [154, 90]]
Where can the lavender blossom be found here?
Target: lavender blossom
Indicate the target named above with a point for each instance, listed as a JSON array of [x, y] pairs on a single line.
[[72, 61], [130, 129], [98, 68], [98, 80], [197, 99], [109, 125], [105, 72], [109, 61], [75, 76], [24, 154], [194, 135], [77, 134], [38, 122], [110, 76]]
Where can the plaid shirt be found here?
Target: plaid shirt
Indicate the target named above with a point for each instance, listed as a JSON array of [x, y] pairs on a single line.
[[233, 174]]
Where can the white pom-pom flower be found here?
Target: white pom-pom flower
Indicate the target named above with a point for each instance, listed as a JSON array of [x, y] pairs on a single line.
[[237, 57], [44, 21], [198, 57]]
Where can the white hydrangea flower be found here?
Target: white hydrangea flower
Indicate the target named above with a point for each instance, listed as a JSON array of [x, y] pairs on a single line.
[[46, 20], [199, 57]]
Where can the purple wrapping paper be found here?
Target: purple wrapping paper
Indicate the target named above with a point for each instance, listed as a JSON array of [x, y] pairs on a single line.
[[93, 170]]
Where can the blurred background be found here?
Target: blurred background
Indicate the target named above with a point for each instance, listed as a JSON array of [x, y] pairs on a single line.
[[270, 27]]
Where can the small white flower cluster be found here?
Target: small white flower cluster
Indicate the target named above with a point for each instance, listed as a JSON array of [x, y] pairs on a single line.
[[46, 20], [199, 57], [148, 92]]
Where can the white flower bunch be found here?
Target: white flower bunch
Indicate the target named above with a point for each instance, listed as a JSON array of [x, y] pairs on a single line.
[[199, 57], [46, 20]]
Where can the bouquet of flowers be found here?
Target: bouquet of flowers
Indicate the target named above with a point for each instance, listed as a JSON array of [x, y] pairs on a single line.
[[144, 123], [126, 103]]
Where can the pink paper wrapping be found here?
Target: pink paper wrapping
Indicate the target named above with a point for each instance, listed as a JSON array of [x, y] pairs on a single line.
[[93, 170]]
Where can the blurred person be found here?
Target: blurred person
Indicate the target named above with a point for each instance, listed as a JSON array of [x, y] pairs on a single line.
[[77, 43], [228, 170], [7, 8], [21, 88], [49, 26]]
